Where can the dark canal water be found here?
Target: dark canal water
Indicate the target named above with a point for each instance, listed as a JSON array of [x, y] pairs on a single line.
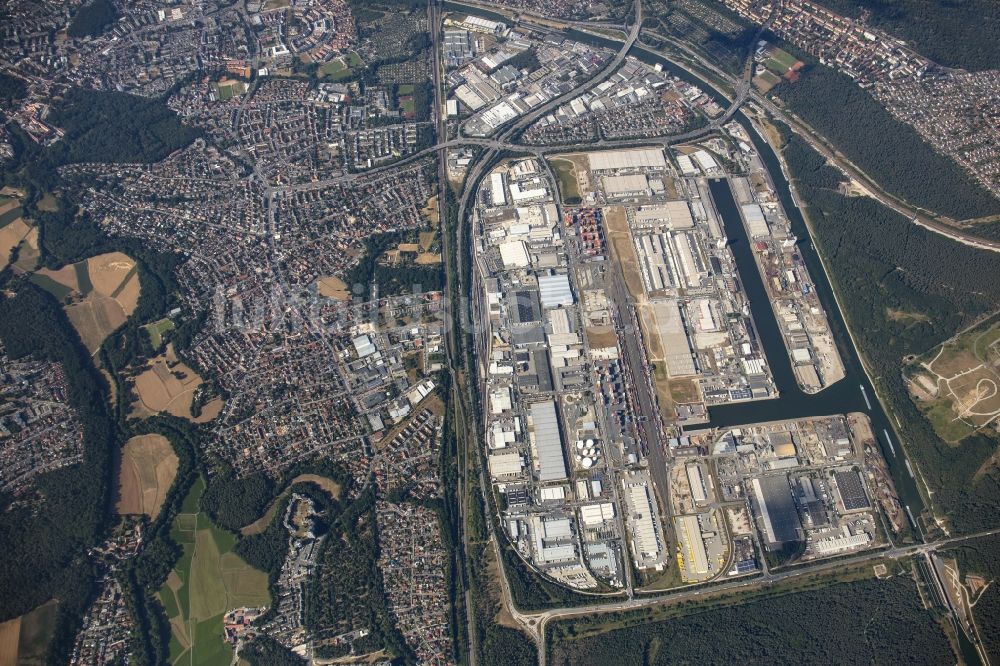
[[844, 396]]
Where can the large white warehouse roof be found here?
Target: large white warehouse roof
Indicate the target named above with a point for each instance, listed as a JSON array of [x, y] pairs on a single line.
[[554, 290], [548, 441], [636, 158]]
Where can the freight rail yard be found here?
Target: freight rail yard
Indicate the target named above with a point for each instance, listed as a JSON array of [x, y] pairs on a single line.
[[613, 319]]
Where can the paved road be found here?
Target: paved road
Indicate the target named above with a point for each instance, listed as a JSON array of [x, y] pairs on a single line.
[[539, 17], [503, 139], [535, 623], [918, 216], [915, 215]]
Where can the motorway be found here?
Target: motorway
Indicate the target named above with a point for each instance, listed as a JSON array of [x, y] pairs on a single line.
[[503, 141]]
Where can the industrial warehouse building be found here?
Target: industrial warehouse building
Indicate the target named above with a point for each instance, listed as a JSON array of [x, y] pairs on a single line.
[[555, 290], [638, 158], [693, 550], [674, 215], [646, 544], [546, 441], [625, 186], [851, 490], [505, 465], [774, 508], [756, 224]]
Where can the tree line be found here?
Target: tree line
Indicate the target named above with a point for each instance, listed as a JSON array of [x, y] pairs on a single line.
[[863, 622], [955, 33], [905, 290], [889, 151]]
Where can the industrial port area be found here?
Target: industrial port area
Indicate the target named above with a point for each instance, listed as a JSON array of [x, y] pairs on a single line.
[[614, 319]]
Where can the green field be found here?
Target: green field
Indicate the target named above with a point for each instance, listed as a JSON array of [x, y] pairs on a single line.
[[335, 69], [156, 331], [775, 67], [342, 68], [207, 581], [10, 216], [767, 80], [60, 291], [37, 628], [568, 186], [227, 90], [784, 58]]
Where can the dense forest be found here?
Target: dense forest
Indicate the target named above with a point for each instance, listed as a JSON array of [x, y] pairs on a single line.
[[11, 88], [889, 151], [45, 535], [99, 127], [92, 19], [905, 290], [981, 557], [956, 33], [265, 651], [233, 502], [346, 593], [116, 127], [266, 550], [865, 622]]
